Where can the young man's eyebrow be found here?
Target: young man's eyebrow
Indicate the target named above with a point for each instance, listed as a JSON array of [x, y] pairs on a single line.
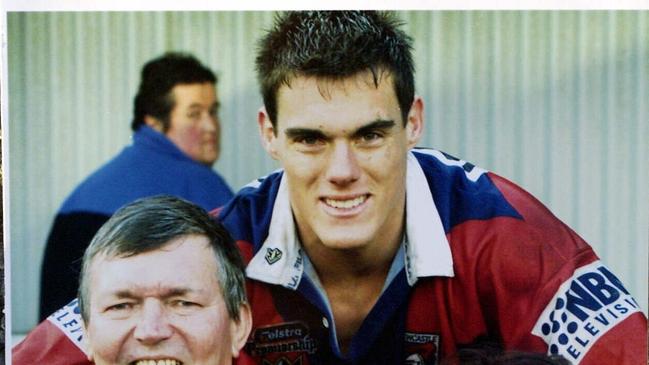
[[380, 124], [373, 126], [304, 132]]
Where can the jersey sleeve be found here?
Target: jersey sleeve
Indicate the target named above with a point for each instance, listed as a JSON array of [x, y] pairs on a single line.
[[593, 319], [55, 341], [553, 291]]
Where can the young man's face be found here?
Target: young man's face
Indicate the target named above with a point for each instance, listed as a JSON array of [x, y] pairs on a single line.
[[343, 147], [193, 122], [165, 305]]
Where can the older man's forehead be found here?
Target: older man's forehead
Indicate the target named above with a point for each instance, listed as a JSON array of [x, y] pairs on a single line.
[[161, 290], [186, 263]]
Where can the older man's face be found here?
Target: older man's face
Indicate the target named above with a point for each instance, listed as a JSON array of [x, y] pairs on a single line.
[[165, 305]]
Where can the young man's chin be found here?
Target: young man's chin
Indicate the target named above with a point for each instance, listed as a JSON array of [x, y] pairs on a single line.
[[347, 239]]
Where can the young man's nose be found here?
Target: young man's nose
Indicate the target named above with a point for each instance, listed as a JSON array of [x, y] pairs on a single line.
[[343, 165], [153, 325]]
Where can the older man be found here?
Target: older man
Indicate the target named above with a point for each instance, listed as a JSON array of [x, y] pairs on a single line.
[[161, 284]]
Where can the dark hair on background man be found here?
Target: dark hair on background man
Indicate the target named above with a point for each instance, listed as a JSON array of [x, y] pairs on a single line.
[[151, 223], [335, 45], [158, 77]]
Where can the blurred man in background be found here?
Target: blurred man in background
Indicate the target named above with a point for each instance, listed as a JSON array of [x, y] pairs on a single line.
[[176, 140]]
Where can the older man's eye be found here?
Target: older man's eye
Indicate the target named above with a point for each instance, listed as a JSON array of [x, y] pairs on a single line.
[[184, 304], [120, 307]]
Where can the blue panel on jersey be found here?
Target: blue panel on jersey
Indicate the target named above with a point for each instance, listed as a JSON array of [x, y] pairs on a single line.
[[457, 197], [257, 201]]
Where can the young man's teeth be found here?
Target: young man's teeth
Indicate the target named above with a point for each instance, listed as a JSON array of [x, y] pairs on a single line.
[[346, 204], [157, 362]]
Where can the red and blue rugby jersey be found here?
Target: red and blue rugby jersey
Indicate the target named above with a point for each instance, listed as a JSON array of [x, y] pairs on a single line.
[[482, 260]]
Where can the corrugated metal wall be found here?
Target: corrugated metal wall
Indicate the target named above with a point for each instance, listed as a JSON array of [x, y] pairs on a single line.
[[555, 101]]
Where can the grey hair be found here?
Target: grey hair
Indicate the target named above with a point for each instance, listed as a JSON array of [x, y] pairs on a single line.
[[150, 223]]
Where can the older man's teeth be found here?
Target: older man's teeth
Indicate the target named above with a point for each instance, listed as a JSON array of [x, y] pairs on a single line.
[[158, 362], [346, 204]]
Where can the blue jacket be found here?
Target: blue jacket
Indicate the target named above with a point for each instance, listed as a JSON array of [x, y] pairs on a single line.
[[151, 165]]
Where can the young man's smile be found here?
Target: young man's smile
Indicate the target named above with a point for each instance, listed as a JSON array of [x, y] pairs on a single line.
[[348, 204]]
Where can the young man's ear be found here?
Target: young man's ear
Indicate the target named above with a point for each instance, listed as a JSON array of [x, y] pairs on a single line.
[[267, 132], [154, 123], [415, 122], [240, 329]]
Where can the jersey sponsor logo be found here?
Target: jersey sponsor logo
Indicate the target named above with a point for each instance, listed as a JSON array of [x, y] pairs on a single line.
[[291, 337], [68, 320], [421, 348], [273, 255], [584, 308]]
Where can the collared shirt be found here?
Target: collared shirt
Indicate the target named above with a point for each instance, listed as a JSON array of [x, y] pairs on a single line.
[[482, 260], [427, 252]]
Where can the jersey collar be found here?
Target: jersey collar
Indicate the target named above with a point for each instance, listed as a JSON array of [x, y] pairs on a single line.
[[280, 261]]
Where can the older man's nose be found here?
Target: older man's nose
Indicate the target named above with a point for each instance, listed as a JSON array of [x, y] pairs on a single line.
[[153, 325]]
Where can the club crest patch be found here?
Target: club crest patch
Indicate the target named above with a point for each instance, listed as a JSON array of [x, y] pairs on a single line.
[[421, 348], [273, 255], [275, 343]]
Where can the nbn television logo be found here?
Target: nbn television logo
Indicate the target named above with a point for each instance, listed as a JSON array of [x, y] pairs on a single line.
[[68, 320], [584, 308]]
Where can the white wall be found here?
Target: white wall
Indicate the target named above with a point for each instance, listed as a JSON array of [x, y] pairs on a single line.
[[555, 101]]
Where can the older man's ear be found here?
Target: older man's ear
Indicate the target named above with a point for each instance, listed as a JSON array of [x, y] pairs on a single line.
[[241, 329], [85, 342]]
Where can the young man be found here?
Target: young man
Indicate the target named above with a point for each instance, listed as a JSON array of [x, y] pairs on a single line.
[[161, 284], [175, 143], [364, 251]]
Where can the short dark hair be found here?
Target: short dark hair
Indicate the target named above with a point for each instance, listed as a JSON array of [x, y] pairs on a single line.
[[479, 357], [148, 224], [486, 351], [158, 77], [334, 45]]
